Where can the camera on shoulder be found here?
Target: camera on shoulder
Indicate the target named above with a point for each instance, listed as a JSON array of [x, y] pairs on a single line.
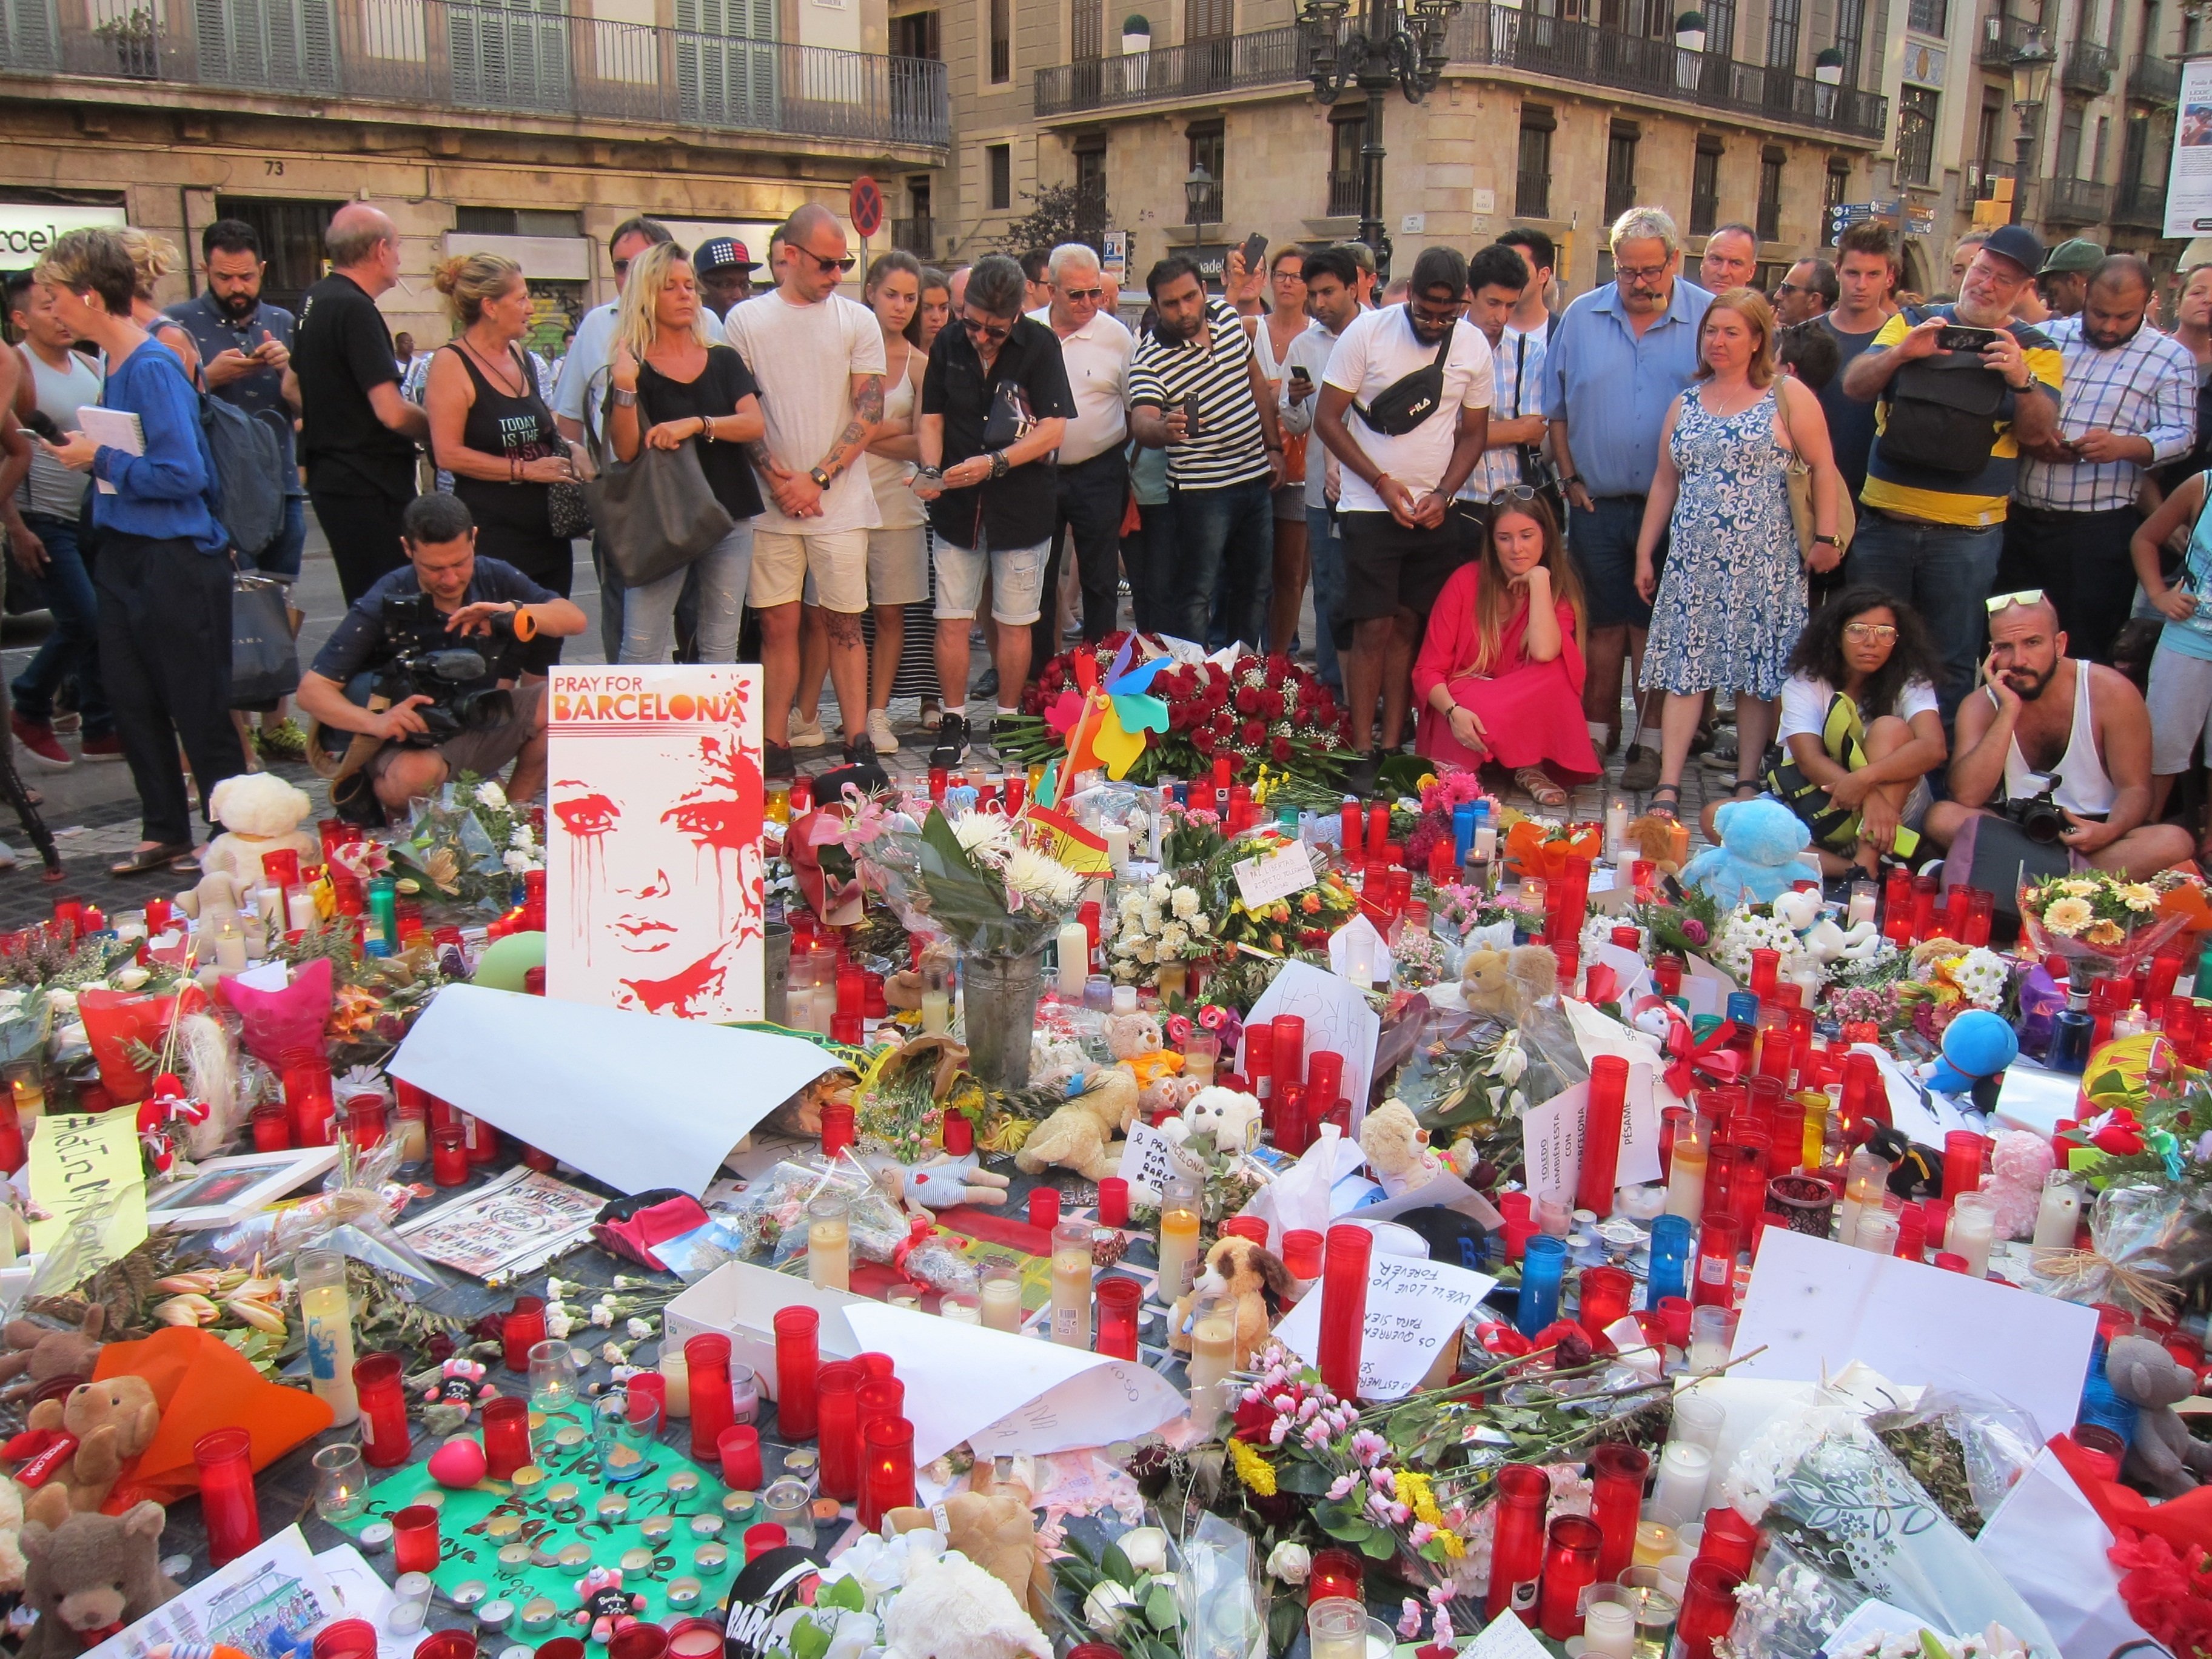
[[425, 661]]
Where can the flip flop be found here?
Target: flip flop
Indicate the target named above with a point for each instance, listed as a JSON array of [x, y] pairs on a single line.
[[1670, 808], [1537, 782], [145, 861]]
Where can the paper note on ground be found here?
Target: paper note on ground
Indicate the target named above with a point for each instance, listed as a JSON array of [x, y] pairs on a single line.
[[242, 1604], [1815, 1306], [1505, 1637], [1414, 1306], [1149, 1162], [631, 1099], [1926, 1119], [90, 1169], [1551, 1135], [1339, 1020], [1018, 1392]]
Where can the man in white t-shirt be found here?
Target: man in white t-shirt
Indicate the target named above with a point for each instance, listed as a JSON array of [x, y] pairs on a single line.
[[819, 359], [1398, 482], [1332, 278]]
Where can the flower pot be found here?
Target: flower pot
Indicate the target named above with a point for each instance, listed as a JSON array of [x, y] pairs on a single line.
[[998, 998]]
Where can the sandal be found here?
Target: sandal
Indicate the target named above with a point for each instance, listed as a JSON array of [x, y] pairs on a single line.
[[1670, 808], [145, 861], [1537, 782]]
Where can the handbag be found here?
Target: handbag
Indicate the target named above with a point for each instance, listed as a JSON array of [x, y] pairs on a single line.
[[657, 514], [567, 510], [1800, 496], [264, 662], [1410, 400]]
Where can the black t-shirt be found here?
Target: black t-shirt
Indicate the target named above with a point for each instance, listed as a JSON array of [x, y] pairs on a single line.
[[713, 395], [1027, 383], [1851, 420], [357, 642], [339, 351]]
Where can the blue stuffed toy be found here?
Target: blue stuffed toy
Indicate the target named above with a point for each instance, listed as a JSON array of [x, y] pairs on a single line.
[[1756, 861], [1978, 1045]]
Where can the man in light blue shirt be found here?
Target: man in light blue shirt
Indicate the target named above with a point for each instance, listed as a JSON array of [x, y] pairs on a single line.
[[1621, 356]]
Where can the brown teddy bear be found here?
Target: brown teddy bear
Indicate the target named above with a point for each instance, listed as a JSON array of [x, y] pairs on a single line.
[[1397, 1149], [38, 1353], [1256, 1278], [1080, 1135], [113, 1420], [91, 1577], [991, 1526], [1507, 983]]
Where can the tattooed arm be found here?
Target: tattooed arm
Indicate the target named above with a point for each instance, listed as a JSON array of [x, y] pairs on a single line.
[[868, 391]]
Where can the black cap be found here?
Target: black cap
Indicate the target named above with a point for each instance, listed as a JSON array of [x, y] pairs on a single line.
[[2018, 244]]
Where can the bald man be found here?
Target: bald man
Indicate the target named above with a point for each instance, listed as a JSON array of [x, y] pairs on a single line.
[[357, 434], [2045, 722]]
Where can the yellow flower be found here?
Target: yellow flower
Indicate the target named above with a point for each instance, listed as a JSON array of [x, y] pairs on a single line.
[[1418, 1493], [1253, 1470], [2068, 916], [2139, 896], [2078, 889], [2106, 933]]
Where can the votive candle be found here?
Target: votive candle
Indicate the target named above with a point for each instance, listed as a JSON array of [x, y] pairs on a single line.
[[1344, 1307], [798, 1355]]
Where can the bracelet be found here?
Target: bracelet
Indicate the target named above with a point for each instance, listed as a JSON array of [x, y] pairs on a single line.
[[707, 427], [999, 465], [625, 399], [515, 469]]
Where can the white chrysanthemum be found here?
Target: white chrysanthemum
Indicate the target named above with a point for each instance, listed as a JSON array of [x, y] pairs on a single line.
[[491, 795], [1161, 891], [523, 837], [1186, 902], [517, 861], [1175, 939], [980, 832], [1035, 876]]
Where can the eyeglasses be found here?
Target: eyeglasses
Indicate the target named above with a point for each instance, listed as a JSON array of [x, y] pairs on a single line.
[[829, 265], [978, 329], [1082, 293], [1512, 493], [1640, 276], [2026, 596], [1879, 633], [1790, 288]]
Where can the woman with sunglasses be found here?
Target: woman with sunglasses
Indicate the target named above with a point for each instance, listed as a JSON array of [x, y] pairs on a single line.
[[1500, 670], [1860, 731]]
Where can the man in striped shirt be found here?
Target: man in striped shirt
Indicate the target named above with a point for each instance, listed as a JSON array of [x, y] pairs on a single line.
[[2131, 402], [1195, 390]]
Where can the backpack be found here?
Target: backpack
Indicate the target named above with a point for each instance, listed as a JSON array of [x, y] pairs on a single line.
[[249, 474], [1943, 412]]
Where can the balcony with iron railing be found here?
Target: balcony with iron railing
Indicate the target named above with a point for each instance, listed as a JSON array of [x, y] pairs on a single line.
[[2002, 34], [1344, 196], [1986, 176], [916, 236], [2075, 201], [2154, 80], [2140, 206], [1770, 221], [1532, 194], [1929, 16], [1483, 36], [442, 54], [2088, 69]]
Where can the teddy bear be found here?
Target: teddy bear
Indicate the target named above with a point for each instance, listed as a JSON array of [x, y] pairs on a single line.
[[11, 1536], [2018, 1162], [1081, 1135], [1260, 1285], [2163, 1455], [951, 1608], [1163, 1099], [37, 1354], [260, 813], [1229, 1118], [1978, 1045], [459, 1388], [113, 1420], [1757, 859], [1507, 983], [1397, 1149], [992, 1525], [608, 1607], [90, 1577]]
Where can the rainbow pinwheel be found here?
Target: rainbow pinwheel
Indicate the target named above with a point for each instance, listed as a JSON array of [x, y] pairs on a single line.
[[1105, 722]]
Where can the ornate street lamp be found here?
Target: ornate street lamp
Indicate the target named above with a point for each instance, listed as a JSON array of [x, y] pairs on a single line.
[[2031, 66], [1395, 42], [1199, 198]]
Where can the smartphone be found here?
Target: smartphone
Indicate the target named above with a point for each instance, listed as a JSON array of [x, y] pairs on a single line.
[[1191, 424], [1299, 372], [1956, 337], [39, 424], [1255, 249]]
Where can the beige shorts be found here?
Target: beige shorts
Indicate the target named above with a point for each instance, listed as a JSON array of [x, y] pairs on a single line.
[[1017, 576], [838, 564], [898, 564]]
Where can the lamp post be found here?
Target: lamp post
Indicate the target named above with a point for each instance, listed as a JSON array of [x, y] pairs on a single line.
[[2031, 65], [1198, 197], [1395, 42]]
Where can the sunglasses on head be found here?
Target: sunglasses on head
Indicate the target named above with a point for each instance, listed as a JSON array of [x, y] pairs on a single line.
[[1509, 493], [2026, 596]]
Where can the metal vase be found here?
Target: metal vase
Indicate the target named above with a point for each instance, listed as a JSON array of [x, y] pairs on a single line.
[[999, 997]]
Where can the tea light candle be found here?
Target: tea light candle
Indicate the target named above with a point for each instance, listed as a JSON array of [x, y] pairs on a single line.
[[569, 1437], [500, 1528], [514, 1558], [682, 1486], [573, 1556], [375, 1538], [434, 1498], [566, 1499], [635, 1563], [612, 1511], [411, 1603], [803, 1463], [538, 1615], [710, 1560], [657, 1530], [517, 1650], [526, 1481], [739, 1506], [684, 1592], [496, 1614], [469, 1593], [705, 1526]]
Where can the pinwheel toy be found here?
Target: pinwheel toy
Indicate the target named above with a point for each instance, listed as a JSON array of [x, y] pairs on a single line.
[[1105, 722]]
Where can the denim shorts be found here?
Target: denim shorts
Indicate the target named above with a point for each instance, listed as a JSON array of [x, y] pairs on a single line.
[[1602, 544], [1017, 581]]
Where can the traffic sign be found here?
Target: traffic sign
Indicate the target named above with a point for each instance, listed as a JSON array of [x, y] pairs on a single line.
[[867, 206]]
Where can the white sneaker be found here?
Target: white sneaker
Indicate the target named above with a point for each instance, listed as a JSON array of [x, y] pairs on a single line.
[[8, 858], [879, 731], [806, 733]]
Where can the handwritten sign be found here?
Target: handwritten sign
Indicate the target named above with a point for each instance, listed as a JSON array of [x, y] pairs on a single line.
[[1287, 870], [1149, 1161], [87, 1170], [1551, 1134], [1414, 1306], [1339, 1020], [1505, 1638]]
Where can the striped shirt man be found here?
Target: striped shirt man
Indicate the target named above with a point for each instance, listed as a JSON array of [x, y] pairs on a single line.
[[1518, 367], [1230, 447], [2145, 388]]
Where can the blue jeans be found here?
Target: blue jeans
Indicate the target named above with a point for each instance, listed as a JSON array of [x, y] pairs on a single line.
[[1326, 549], [1225, 540], [1945, 571], [721, 573], [281, 558], [73, 647]]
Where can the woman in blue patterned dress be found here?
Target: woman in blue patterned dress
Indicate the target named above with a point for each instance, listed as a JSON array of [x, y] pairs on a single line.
[[1731, 600]]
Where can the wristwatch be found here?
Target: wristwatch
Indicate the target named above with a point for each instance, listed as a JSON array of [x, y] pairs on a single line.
[[1832, 541], [999, 465], [821, 477]]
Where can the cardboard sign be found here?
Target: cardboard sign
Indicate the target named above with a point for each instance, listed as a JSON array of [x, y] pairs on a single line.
[[1553, 1136], [1149, 1162], [1339, 1020], [1414, 1306], [654, 869], [1262, 880], [80, 1167]]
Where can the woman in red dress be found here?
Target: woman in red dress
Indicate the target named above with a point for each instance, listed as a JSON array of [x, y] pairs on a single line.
[[1500, 672]]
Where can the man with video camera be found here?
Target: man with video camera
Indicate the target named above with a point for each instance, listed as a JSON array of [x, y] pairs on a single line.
[[419, 671]]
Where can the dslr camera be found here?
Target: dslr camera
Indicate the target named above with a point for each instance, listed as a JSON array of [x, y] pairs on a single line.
[[2038, 816], [426, 662]]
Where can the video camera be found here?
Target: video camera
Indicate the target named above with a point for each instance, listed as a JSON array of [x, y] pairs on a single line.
[[425, 662]]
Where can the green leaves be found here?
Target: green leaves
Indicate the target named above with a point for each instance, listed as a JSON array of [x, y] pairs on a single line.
[[1160, 1609], [809, 1640], [844, 1596]]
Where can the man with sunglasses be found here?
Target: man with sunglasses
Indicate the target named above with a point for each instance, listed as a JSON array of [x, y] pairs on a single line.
[[1397, 484], [819, 358], [1805, 293], [995, 405], [1094, 467]]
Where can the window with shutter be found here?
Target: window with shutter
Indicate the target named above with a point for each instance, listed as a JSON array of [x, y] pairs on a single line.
[[510, 54], [726, 63], [277, 45], [30, 37]]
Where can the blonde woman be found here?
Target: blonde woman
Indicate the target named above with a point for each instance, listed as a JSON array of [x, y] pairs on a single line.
[[490, 429], [670, 386], [1731, 604]]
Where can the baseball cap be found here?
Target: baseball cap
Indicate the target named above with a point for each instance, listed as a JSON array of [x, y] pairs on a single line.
[[722, 253], [2018, 244], [2075, 253]]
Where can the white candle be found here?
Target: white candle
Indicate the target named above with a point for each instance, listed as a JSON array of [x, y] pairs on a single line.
[[676, 1378], [1002, 1301], [1074, 958], [1117, 847], [1684, 1471], [269, 905], [1973, 1226], [1608, 1631], [2057, 1216], [936, 1012], [229, 944], [1861, 906], [300, 909], [1616, 828], [1485, 842]]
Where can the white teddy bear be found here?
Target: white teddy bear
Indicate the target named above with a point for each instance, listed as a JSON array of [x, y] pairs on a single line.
[[260, 813], [951, 1608], [1230, 1116]]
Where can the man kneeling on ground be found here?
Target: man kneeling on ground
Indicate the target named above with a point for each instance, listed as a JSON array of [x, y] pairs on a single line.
[[2042, 721], [408, 681]]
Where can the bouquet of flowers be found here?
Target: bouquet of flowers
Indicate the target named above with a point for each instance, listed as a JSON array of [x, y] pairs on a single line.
[[973, 876], [469, 844], [2101, 916], [1746, 929], [1162, 921]]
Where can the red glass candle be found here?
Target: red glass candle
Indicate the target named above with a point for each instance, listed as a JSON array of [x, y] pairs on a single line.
[[1118, 1300], [1729, 1540], [1334, 1572], [1605, 1294], [1672, 1120], [1301, 1249], [272, 1127], [1378, 829], [1044, 1207], [1570, 1569], [383, 1398], [1747, 1196], [880, 1398], [506, 1435], [521, 1328], [1344, 1307], [1113, 1201], [449, 1157], [837, 1394], [1666, 974], [1349, 831], [446, 1644], [13, 1152], [479, 1140], [1324, 1084], [837, 1126], [1708, 1609], [713, 1407], [1786, 1152], [1608, 1098], [307, 1096], [1981, 911], [415, 1539], [1617, 1472], [1674, 1313], [364, 1121], [1260, 1060], [1290, 1049], [797, 1356], [1923, 906], [1290, 1121], [888, 1475], [1962, 1162], [1765, 968], [228, 1510], [738, 1449], [346, 1639], [646, 1394], [763, 1538], [959, 1133], [1715, 1286], [1517, 1550], [638, 1642], [1912, 1232]]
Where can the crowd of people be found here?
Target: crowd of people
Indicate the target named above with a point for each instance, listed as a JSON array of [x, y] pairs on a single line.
[[1933, 554]]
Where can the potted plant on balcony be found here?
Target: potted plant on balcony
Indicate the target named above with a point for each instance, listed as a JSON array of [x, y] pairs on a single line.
[[1689, 50], [132, 37], [1136, 45], [1828, 72]]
